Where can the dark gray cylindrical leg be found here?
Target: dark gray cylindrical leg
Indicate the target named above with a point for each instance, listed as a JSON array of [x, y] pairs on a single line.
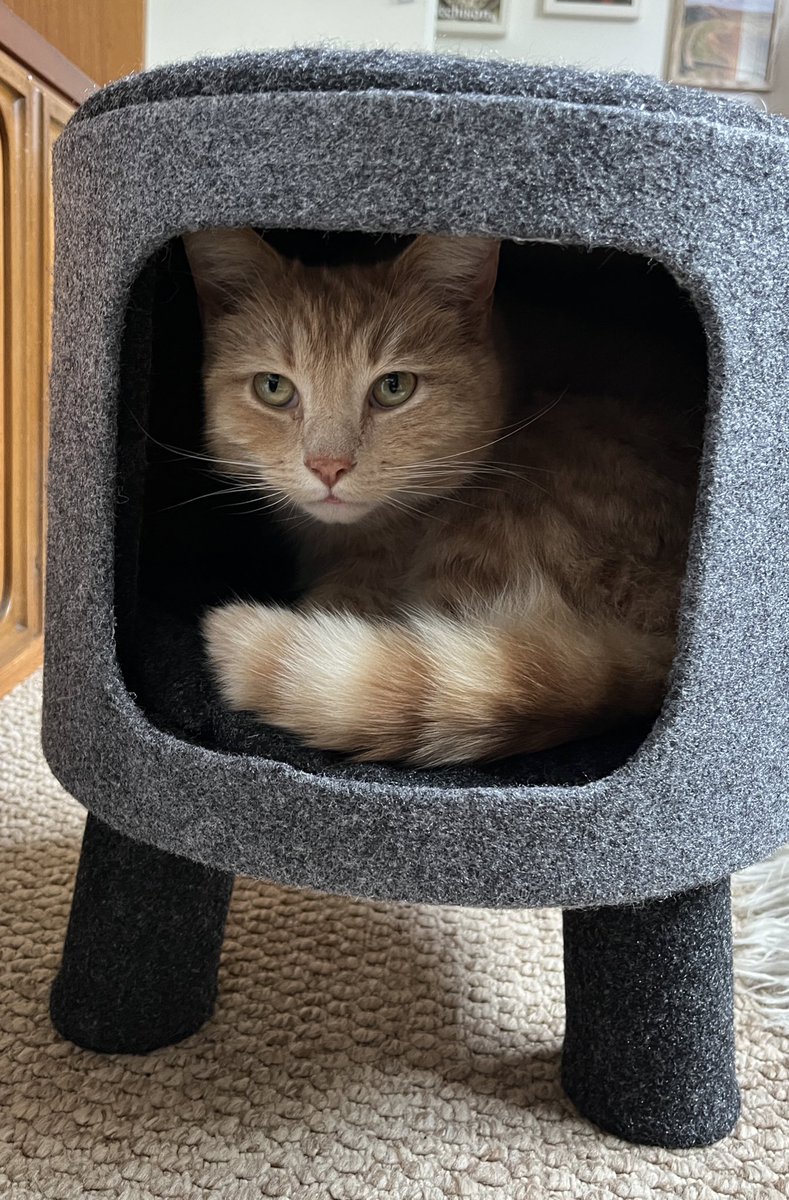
[[649, 1043], [142, 949]]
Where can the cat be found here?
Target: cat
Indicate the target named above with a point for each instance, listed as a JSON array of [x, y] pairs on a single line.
[[485, 570]]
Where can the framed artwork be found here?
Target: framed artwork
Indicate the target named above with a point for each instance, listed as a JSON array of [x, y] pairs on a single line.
[[606, 10], [473, 18], [727, 46]]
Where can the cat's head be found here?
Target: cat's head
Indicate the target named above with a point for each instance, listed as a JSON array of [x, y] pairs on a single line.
[[352, 390]]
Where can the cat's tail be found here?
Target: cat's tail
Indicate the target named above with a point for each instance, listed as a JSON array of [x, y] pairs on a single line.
[[430, 689]]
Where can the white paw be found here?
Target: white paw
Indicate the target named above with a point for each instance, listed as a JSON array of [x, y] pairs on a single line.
[[246, 646]]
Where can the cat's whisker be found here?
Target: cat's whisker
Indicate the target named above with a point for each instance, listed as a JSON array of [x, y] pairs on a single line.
[[229, 491], [438, 496], [181, 452], [396, 502], [253, 500], [459, 467], [233, 476], [513, 424], [497, 466], [276, 504], [519, 427], [480, 464], [469, 477], [483, 469], [512, 474], [296, 519]]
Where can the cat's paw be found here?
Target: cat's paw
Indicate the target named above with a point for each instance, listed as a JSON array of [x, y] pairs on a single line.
[[246, 645]]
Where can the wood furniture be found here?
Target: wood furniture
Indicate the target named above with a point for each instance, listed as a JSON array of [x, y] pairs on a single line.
[[47, 68], [39, 90], [103, 39]]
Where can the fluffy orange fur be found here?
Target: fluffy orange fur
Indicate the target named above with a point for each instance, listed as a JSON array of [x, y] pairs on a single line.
[[490, 572]]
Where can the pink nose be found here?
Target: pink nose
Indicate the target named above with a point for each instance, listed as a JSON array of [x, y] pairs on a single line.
[[327, 469]]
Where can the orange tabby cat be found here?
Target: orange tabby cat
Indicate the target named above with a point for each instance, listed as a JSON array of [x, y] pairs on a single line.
[[481, 576]]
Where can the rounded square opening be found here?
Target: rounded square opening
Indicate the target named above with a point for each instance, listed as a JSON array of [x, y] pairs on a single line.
[[596, 322]]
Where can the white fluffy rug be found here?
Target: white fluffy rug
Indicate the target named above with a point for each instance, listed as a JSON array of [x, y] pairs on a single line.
[[359, 1050]]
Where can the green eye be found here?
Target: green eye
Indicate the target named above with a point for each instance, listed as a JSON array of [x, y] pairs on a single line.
[[274, 390], [394, 388]]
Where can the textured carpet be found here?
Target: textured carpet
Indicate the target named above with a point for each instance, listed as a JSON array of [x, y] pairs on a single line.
[[358, 1050]]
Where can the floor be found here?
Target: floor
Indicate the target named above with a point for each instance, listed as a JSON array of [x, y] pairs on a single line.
[[358, 1050]]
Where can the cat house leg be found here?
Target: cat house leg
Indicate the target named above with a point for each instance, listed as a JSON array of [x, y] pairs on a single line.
[[142, 949], [649, 1043]]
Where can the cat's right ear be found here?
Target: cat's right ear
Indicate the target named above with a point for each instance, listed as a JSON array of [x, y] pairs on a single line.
[[226, 264]]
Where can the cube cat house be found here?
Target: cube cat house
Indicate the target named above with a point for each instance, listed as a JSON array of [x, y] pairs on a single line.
[[666, 209]]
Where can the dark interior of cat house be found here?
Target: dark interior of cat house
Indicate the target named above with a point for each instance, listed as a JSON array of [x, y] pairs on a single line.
[[594, 321]]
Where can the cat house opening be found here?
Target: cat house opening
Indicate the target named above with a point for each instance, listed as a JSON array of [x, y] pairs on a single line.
[[591, 322]]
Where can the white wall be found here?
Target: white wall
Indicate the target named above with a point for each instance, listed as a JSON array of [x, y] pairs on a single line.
[[178, 29], [638, 45]]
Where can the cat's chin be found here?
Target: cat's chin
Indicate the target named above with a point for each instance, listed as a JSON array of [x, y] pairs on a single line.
[[345, 512]]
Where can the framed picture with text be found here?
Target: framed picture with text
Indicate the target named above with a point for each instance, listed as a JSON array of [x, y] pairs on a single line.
[[473, 18]]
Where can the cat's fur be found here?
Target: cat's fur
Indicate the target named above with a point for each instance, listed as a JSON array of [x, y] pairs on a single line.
[[510, 575]]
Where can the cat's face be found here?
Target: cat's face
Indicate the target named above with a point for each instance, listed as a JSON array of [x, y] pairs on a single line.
[[348, 391]]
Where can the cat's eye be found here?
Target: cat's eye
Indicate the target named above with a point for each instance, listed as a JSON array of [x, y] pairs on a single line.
[[275, 390], [393, 389]]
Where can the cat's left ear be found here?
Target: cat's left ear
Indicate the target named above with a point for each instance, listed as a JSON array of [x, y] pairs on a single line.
[[463, 268]]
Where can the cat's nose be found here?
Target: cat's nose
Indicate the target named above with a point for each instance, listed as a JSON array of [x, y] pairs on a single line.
[[327, 469]]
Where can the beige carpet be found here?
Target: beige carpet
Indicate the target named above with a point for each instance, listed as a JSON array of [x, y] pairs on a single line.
[[358, 1051]]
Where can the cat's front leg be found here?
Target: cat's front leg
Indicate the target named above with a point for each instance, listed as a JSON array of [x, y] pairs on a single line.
[[248, 647], [430, 688], [318, 674]]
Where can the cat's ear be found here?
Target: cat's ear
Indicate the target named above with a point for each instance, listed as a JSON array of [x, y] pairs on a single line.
[[464, 268], [227, 263]]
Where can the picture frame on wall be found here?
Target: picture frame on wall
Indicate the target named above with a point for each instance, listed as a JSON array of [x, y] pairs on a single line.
[[726, 46], [473, 18], [597, 10]]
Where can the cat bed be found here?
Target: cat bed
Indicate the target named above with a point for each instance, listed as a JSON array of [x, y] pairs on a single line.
[[670, 206]]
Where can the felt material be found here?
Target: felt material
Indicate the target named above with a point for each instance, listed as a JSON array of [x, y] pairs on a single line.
[[649, 1039], [310, 141], [324, 70], [141, 955]]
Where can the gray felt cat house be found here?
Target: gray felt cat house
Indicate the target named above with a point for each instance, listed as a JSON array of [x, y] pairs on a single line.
[[668, 210]]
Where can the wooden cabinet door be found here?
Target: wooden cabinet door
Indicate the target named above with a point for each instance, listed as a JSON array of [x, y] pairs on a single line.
[[31, 116]]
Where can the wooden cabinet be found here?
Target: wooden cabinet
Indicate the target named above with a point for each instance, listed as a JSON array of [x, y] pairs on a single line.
[[43, 77], [31, 115], [102, 38]]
